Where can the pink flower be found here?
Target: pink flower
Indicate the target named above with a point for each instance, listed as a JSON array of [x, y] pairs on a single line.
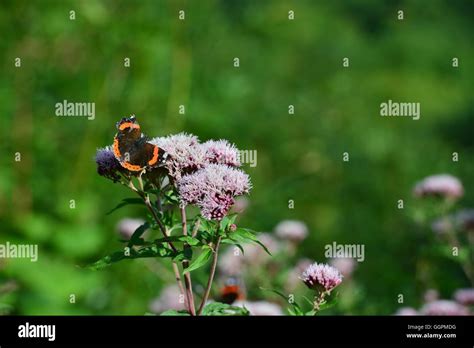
[[320, 276], [444, 307], [185, 154], [221, 152], [213, 189], [443, 185], [465, 296], [291, 230]]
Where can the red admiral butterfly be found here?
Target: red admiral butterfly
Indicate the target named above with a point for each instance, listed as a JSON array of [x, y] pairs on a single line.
[[132, 149], [232, 291]]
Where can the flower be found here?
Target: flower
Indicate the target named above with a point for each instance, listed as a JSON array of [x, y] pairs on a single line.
[[126, 227], [185, 154], [213, 189], [170, 298], [431, 295], [319, 276], [107, 165], [291, 230], [221, 152], [465, 296], [345, 265], [406, 311], [293, 278], [443, 185], [444, 307], [260, 307]]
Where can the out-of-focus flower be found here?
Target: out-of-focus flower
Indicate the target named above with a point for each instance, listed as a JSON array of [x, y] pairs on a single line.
[[255, 255], [319, 276], [213, 189], [406, 311], [465, 296], [185, 154], [231, 262], [260, 307], [345, 265], [294, 275], [221, 152], [431, 295], [107, 165], [291, 230], [240, 205], [170, 298], [442, 225], [443, 185], [126, 227], [444, 307], [465, 219]]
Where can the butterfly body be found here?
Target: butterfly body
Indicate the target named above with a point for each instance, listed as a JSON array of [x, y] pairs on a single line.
[[132, 149]]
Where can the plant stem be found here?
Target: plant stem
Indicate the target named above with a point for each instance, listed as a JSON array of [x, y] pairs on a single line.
[[211, 275], [187, 276]]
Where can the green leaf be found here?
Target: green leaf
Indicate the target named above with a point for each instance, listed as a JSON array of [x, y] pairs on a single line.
[[247, 236], [296, 310], [200, 261], [233, 242], [145, 252], [125, 202], [136, 236], [173, 312], [223, 309]]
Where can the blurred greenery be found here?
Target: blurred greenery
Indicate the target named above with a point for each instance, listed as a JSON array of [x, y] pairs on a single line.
[[282, 62]]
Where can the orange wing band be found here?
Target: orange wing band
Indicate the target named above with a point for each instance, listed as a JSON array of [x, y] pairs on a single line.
[[155, 156]]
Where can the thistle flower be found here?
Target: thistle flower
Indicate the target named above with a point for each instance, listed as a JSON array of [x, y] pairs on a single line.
[[291, 230], [185, 154], [464, 296], [126, 227], [444, 307], [443, 185], [107, 164], [321, 277], [213, 189], [221, 152], [170, 298]]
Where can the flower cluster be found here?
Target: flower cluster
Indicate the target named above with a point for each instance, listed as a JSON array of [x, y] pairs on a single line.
[[107, 165], [442, 185], [321, 277], [213, 189]]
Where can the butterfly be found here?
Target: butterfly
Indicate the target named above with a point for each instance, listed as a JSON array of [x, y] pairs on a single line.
[[132, 149], [232, 291]]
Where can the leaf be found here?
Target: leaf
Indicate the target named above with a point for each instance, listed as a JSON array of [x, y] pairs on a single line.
[[200, 261], [135, 239], [173, 312], [223, 309], [145, 252], [296, 310], [247, 236], [233, 242], [226, 221], [126, 201]]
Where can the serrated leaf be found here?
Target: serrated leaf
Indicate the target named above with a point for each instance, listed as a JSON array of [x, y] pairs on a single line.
[[200, 261], [125, 202]]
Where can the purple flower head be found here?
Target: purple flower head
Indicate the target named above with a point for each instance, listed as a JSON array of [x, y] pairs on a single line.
[[321, 277], [107, 165], [291, 230], [185, 154], [213, 189], [221, 152], [443, 185], [444, 307], [465, 296]]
